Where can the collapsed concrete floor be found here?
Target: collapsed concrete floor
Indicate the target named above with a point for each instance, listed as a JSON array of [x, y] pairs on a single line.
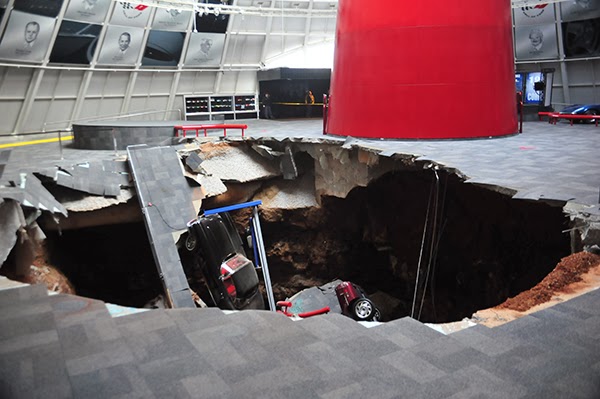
[[386, 223]]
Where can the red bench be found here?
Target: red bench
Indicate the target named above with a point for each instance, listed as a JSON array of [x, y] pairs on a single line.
[[555, 117], [197, 128], [545, 113]]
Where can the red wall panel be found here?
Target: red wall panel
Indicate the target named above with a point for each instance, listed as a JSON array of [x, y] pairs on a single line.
[[423, 70]]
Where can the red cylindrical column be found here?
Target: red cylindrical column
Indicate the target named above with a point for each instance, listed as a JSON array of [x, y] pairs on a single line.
[[423, 69]]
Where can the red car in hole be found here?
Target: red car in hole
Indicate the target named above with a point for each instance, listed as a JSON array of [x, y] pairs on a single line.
[[355, 304]]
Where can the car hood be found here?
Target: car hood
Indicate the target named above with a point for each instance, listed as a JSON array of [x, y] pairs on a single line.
[[578, 108]]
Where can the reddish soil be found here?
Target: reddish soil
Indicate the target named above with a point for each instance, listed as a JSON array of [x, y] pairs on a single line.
[[568, 271], [42, 272]]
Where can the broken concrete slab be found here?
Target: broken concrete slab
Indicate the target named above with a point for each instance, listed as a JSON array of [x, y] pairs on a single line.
[[266, 151], [165, 198], [288, 165], [230, 162], [11, 220], [296, 194], [99, 178], [339, 170], [36, 195], [314, 298], [193, 161], [77, 201], [4, 156]]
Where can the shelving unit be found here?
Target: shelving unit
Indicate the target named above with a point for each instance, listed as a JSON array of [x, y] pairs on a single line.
[[228, 107]]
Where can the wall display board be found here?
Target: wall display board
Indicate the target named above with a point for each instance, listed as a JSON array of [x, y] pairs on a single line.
[[581, 38], [534, 14], [576, 10], [130, 14], [531, 96], [171, 19], [75, 43], [87, 10], [48, 8], [205, 49], [536, 42], [122, 46], [209, 22], [27, 37], [163, 48], [223, 106], [519, 82]]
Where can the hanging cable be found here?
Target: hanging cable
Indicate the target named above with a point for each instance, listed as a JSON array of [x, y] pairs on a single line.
[[437, 247], [412, 312], [432, 241]]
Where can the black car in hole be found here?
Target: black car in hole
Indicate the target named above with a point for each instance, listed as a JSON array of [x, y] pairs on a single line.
[[217, 252]]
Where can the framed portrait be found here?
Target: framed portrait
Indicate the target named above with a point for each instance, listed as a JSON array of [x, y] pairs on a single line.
[[536, 42], [171, 19], [87, 10], [27, 37], [205, 49], [122, 46]]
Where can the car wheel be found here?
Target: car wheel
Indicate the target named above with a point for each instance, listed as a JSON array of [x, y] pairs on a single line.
[[591, 112], [363, 309], [191, 242], [377, 316]]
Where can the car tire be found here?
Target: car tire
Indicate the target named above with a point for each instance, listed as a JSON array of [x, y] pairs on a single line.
[[363, 309], [590, 112], [377, 316], [191, 242]]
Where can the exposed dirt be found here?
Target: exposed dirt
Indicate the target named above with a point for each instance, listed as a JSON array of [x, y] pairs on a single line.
[[486, 247], [560, 280], [42, 272]]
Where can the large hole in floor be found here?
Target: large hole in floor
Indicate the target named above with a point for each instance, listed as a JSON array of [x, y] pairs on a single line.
[[479, 248]]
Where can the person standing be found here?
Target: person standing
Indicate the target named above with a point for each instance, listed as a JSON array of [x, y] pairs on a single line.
[[268, 113], [309, 100]]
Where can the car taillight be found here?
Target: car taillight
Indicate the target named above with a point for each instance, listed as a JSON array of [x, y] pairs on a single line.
[[230, 287]]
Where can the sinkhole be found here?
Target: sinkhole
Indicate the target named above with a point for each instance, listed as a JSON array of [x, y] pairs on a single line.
[[419, 242]]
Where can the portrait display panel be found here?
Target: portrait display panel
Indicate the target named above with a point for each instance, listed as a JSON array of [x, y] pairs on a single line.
[[75, 43], [577, 10], [210, 22], [534, 15], [171, 19], [536, 42], [581, 38], [27, 37], [122, 46], [205, 49], [130, 14], [48, 8], [163, 48], [87, 10]]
